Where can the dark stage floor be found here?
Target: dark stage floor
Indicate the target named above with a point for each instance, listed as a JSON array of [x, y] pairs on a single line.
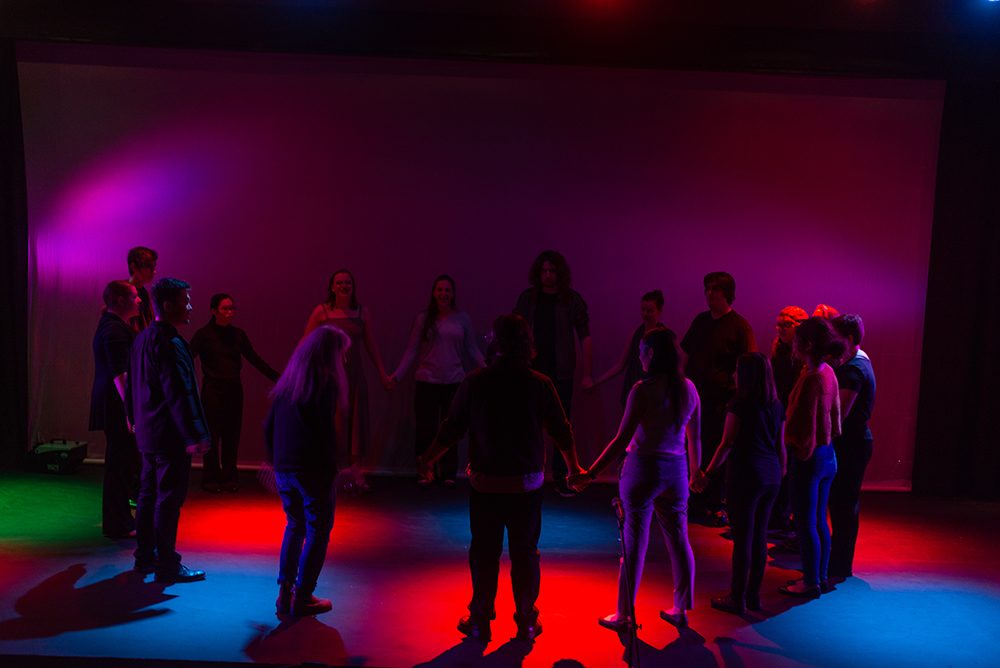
[[926, 591]]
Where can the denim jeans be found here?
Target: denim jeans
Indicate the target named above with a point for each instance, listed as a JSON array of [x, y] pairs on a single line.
[[657, 484], [809, 489], [308, 498]]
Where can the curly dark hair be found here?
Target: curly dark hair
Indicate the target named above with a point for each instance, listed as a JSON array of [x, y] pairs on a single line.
[[823, 339], [561, 267]]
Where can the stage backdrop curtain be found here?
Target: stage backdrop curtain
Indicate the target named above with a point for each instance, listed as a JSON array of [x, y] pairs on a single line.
[[13, 267], [957, 447], [258, 175]]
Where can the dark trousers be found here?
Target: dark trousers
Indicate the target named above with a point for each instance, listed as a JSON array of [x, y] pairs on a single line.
[[163, 487], [853, 456], [431, 403], [521, 515], [809, 488], [749, 509], [223, 404], [121, 464], [308, 499], [713, 419], [564, 388]]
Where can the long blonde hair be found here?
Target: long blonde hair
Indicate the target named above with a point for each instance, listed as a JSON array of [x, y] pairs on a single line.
[[317, 363]]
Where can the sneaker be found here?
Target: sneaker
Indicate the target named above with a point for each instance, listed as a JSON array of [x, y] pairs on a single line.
[[182, 574]]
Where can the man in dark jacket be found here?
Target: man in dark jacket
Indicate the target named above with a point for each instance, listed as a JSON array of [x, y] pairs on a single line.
[[112, 341], [504, 408], [166, 413], [555, 312]]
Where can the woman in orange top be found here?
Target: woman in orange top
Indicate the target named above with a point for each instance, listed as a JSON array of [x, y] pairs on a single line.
[[813, 421]]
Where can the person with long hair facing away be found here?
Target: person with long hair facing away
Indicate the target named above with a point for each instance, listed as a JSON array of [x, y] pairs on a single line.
[[813, 422], [303, 436], [343, 311], [661, 432], [443, 337], [650, 310], [753, 450]]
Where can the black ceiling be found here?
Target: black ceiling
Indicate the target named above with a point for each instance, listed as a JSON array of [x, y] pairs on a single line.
[[942, 39]]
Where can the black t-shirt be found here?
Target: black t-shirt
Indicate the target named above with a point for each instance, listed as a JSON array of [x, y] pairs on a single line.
[[544, 331], [753, 459], [713, 347], [857, 375]]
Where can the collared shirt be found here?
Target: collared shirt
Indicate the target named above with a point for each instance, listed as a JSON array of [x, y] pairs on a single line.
[[162, 399]]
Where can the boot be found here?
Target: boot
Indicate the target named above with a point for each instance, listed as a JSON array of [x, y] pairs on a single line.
[[304, 604], [284, 602]]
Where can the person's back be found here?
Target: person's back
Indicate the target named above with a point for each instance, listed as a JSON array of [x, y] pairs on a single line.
[[658, 432]]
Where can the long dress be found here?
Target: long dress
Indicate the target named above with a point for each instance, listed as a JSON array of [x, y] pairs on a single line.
[[358, 427]]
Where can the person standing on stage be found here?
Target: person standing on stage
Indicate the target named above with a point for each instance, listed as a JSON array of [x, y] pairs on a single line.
[[142, 271], [163, 406], [447, 346], [853, 447], [306, 445], [343, 311], [222, 348], [554, 311], [812, 423], [112, 341], [786, 370], [504, 407], [660, 433], [713, 343]]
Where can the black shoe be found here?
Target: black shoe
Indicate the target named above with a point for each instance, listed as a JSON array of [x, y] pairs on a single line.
[[678, 619], [564, 491], [478, 629], [143, 568], [800, 591], [182, 574], [304, 604], [616, 625], [728, 604], [528, 628], [753, 602], [824, 586], [122, 535], [212, 487], [718, 519], [231, 487]]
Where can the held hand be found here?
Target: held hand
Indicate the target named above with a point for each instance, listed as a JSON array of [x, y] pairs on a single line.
[[588, 385], [579, 481], [389, 382], [199, 448], [424, 470], [699, 482], [393, 382], [350, 481]]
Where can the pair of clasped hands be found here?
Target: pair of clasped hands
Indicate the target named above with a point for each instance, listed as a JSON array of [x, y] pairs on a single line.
[[580, 481]]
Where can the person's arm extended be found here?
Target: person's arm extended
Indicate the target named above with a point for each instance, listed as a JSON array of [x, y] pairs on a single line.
[[635, 407], [729, 433], [246, 349], [315, 320], [411, 349], [694, 437], [472, 350], [618, 368], [372, 348]]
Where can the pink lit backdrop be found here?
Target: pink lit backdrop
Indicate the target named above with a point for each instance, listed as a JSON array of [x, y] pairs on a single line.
[[258, 175]]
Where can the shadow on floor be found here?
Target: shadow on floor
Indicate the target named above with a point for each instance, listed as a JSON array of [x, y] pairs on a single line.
[[57, 606]]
